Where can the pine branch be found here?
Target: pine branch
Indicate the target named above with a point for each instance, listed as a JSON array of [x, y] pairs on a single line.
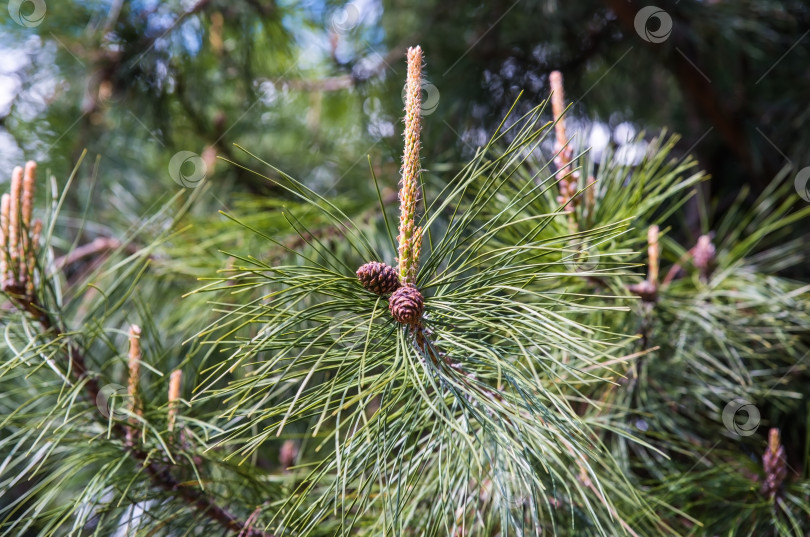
[[481, 377], [21, 242], [159, 472]]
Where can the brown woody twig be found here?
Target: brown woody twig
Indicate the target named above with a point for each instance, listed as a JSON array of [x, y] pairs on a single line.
[[18, 242]]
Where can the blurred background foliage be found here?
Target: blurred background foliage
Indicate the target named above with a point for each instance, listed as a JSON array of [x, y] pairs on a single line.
[[315, 87]]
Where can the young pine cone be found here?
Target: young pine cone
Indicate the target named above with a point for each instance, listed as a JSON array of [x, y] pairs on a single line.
[[378, 278], [774, 463], [703, 255], [406, 305]]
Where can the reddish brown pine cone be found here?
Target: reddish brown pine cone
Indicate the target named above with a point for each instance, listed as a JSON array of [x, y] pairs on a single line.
[[407, 305], [378, 278]]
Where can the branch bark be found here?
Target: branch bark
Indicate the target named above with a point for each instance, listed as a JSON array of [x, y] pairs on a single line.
[[159, 472]]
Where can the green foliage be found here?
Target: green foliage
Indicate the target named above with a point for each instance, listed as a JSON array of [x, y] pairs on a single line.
[[541, 396], [482, 402]]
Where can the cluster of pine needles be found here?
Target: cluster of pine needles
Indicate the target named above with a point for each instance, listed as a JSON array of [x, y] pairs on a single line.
[[539, 350]]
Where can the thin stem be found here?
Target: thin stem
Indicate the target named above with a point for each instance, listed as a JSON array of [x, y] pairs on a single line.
[[20, 240], [159, 472]]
